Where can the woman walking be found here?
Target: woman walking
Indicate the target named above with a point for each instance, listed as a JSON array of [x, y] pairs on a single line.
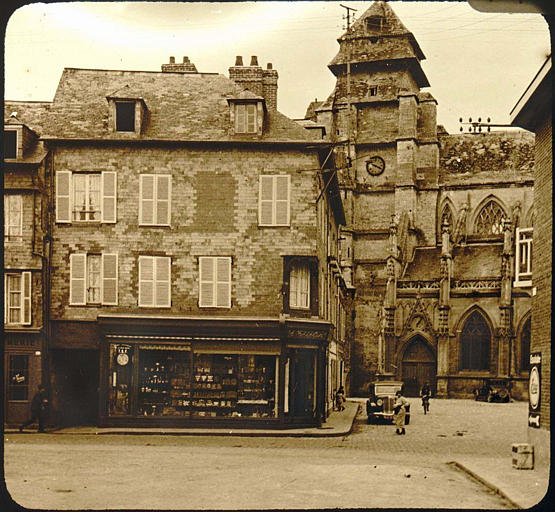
[[399, 407]]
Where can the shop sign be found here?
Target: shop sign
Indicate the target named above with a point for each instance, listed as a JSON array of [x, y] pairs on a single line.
[[534, 390]]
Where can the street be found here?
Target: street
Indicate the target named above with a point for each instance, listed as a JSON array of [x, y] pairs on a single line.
[[372, 467]]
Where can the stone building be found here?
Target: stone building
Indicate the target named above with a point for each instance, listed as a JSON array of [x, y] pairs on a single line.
[[195, 258], [439, 226]]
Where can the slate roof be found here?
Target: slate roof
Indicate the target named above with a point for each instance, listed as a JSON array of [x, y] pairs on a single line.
[[32, 114], [425, 264], [181, 106]]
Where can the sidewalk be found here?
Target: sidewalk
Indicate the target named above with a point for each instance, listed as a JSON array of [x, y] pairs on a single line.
[[337, 424]]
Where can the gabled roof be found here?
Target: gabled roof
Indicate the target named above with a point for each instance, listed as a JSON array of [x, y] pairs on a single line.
[[125, 93], [182, 106], [32, 114], [245, 94]]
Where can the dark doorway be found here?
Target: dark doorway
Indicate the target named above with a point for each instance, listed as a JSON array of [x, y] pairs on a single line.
[[302, 384], [418, 366]]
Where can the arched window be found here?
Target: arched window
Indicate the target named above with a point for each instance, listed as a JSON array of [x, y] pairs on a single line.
[[447, 217], [475, 343], [525, 346], [490, 219]]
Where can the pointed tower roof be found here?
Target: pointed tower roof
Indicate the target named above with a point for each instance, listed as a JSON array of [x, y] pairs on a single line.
[[377, 36]]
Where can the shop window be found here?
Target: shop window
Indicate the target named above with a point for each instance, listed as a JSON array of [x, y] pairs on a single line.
[[121, 370], [523, 257], [18, 377], [274, 200], [93, 279], [13, 217], [154, 200], [490, 220], [17, 299], [125, 116], [525, 335], [10, 143], [155, 281], [214, 282], [86, 197], [300, 285], [475, 343], [245, 118]]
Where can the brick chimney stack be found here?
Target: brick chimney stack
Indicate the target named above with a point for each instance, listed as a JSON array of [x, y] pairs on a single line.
[[185, 67], [262, 82], [270, 86]]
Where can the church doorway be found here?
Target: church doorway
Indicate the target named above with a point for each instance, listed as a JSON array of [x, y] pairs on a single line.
[[418, 366]]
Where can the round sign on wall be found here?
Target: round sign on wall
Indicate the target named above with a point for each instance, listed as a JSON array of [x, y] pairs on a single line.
[[534, 387]]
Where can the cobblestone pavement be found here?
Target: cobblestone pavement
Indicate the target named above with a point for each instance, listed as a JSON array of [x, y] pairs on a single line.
[[370, 468]]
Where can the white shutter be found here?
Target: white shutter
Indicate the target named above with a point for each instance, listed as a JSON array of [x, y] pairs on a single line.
[[109, 279], [63, 196], [26, 298], [6, 294], [146, 281], [293, 287], [108, 187], [282, 200], [162, 273], [163, 200], [265, 201], [146, 199], [223, 282], [207, 280], [77, 278]]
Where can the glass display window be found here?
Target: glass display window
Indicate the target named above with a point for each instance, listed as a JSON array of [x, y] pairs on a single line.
[[120, 375], [256, 391]]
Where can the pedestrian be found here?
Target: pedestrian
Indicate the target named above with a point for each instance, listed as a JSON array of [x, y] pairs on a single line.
[[426, 393], [39, 409], [340, 399], [399, 408]]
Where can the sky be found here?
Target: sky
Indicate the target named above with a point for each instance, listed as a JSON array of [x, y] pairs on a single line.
[[478, 65]]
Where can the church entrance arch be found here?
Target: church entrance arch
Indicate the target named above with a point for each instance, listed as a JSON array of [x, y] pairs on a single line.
[[418, 366]]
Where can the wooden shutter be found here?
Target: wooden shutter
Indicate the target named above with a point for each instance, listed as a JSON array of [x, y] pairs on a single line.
[[163, 200], [26, 298], [63, 196], [206, 282], [240, 118], [77, 279], [146, 281], [109, 269], [266, 199], [223, 282], [162, 273], [146, 199], [282, 200], [251, 119], [108, 187], [293, 287]]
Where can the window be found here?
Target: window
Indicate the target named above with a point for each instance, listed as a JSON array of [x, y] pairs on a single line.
[[18, 377], [490, 220], [299, 286], [373, 91], [86, 197], [17, 301], [214, 282], [13, 217], [447, 218], [475, 343], [10, 143], [523, 257], [300, 291], [155, 281], [375, 23], [525, 346], [154, 200], [93, 279], [274, 199], [245, 118], [125, 116]]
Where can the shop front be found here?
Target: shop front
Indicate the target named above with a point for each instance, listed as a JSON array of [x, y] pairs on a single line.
[[223, 371]]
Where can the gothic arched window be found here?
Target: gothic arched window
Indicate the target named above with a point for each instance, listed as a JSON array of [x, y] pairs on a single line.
[[490, 219], [525, 346], [475, 343], [447, 217]]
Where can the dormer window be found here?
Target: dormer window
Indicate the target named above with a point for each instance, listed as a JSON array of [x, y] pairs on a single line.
[[127, 112], [125, 116], [375, 23], [245, 118], [10, 144], [246, 112], [373, 91]]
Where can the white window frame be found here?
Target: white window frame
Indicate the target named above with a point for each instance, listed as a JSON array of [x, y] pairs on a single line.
[[299, 269], [523, 250], [25, 293], [85, 279], [7, 218], [88, 211], [243, 127], [155, 200], [274, 201], [213, 260], [156, 261]]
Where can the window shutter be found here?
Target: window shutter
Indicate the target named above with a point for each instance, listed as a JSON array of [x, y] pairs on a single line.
[[146, 281], [77, 271], [251, 118], [206, 282], [6, 293], [240, 117], [163, 200], [266, 197], [282, 200], [109, 196], [63, 196], [109, 279], [146, 199], [223, 282], [293, 287], [26, 295], [162, 268]]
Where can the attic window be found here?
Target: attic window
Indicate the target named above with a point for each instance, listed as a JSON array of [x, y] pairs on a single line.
[[375, 23], [373, 91], [10, 144], [245, 118], [125, 116]]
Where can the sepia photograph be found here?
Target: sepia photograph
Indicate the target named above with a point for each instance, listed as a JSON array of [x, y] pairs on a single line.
[[277, 255]]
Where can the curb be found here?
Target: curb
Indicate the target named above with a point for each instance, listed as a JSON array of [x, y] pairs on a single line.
[[485, 483]]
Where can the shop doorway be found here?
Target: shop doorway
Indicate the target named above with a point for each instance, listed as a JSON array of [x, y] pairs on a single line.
[[302, 379], [418, 366]]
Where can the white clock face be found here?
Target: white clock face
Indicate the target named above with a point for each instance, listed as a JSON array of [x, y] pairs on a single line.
[[122, 359]]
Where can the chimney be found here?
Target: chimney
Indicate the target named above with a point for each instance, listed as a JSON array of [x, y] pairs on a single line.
[[262, 82], [186, 67], [270, 86], [239, 60], [254, 60]]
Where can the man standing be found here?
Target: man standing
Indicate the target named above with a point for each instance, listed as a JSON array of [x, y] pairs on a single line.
[[39, 409]]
